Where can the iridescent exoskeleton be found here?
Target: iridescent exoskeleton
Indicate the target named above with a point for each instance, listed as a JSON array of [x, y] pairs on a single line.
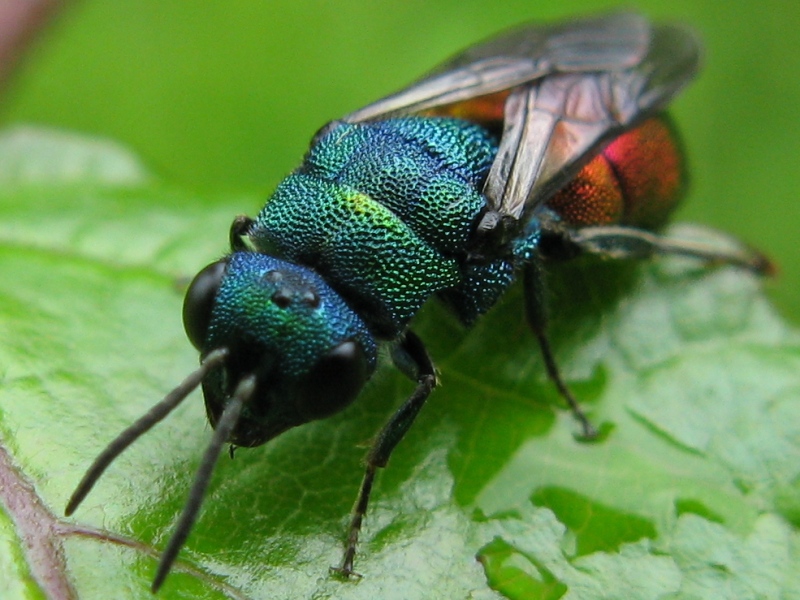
[[542, 144]]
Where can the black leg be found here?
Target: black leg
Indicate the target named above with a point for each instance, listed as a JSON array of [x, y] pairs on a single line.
[[238, 233], [615, 242], [536, 310], [411, 357], [619, 242]]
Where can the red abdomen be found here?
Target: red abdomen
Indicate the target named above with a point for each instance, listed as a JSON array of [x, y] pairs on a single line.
[[637, 180]]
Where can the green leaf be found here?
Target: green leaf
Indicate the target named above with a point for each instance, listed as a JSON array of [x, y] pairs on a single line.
[[692, 492]]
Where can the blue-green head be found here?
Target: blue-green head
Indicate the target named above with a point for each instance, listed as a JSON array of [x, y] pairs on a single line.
[[308, 351]]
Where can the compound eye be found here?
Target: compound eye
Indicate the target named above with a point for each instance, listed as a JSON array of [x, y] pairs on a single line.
[[199, 302], [334, 382]]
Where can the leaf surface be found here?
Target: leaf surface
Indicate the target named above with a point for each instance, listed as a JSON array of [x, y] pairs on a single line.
[[692, 492]]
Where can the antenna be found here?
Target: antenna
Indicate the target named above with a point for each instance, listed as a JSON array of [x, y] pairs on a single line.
[[226, 424], [143, 425]]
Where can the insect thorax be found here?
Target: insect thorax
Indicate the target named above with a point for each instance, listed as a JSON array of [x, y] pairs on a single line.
[[384, 212]]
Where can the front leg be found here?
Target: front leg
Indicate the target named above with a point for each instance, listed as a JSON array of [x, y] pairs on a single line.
[[412, 358]]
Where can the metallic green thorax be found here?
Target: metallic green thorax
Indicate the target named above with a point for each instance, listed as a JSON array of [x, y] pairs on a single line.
[[383, 211]]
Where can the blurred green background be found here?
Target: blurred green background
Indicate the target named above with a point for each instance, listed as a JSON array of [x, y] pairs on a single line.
[[224, 95]]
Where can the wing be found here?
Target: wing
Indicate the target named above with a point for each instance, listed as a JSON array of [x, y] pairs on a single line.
[[573, 87]]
